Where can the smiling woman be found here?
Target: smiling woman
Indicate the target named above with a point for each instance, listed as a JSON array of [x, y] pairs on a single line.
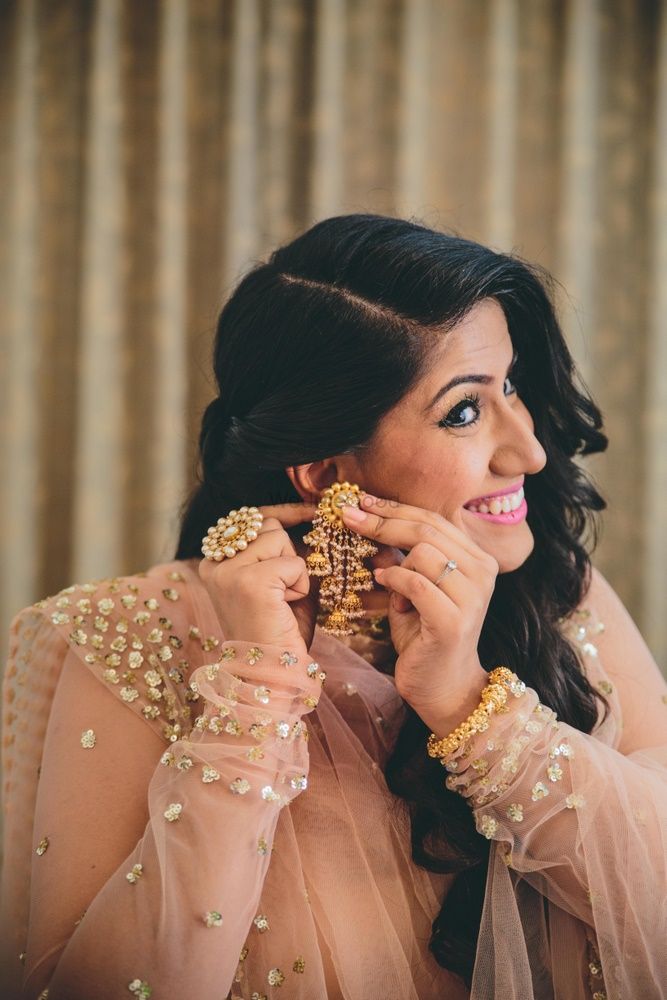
[[280, 832]]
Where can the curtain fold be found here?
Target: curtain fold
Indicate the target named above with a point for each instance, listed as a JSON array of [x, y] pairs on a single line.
[[150, 153]]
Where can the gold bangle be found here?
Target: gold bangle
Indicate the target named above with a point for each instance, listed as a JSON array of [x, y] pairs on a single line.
[[493, 696]]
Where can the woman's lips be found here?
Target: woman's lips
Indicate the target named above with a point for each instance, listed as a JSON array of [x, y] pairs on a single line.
[[511, 517], [498, 493]]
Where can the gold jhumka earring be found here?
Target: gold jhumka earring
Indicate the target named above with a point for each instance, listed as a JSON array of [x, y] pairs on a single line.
[[338, 558]]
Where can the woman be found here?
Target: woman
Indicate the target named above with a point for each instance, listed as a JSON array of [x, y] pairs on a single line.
[[213, 818]]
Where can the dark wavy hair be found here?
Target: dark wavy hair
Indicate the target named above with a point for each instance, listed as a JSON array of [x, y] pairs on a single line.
[[312, 348]]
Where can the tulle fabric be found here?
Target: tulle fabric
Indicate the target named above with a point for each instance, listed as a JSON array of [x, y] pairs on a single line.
[[301, 885]]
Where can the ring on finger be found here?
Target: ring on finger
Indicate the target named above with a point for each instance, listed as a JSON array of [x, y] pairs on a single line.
[[450, 566]]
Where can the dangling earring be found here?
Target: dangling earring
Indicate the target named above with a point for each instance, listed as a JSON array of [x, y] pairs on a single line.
[[337, 558]]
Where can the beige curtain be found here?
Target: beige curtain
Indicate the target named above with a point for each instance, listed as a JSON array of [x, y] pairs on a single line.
[[151, 150]]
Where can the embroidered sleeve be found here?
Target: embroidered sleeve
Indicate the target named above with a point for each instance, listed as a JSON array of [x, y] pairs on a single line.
[[581, 823], [211, 804]]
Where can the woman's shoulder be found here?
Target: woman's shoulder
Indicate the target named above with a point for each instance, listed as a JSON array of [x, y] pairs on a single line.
[[586, 622], [140, 634], [585, 628]]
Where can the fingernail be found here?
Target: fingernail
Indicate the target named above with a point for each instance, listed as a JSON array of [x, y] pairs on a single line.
[[368, 499], [353, 514]]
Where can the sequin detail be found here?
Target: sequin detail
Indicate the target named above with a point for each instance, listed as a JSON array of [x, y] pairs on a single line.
[[269, 795], [209, 774], [122, 636], [261, 922], [140, 988], [88, 739], [213, 918], [173, 812], [488, 826], [275, 977], [240, 786], [42, 846], [135, 873]]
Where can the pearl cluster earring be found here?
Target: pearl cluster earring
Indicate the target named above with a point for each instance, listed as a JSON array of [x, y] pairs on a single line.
[[338, 558]]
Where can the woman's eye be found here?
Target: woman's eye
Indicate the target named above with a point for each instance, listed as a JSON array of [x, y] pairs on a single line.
[[467, 410], [465, 413]]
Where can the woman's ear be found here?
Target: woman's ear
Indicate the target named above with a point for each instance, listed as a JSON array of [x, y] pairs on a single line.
[[310, 479]]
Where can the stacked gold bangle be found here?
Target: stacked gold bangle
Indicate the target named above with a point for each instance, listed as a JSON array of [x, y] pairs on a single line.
[[493, 696]]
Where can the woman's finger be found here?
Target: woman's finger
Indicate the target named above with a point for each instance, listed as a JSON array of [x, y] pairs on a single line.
[[429, 561], [392, 509], [435, 608], [406, 535]]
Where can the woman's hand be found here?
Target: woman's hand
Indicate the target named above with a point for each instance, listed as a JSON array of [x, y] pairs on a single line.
[[263, 594], [438, 671]]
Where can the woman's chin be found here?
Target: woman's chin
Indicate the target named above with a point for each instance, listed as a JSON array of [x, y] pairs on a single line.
[[510, 553]]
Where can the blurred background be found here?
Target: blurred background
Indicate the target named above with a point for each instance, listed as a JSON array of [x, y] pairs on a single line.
[[152, 150]]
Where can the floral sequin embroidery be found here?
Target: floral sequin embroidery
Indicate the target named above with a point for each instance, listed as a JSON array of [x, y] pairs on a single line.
[[88, 739], [135, 873], [539, 791], [118, 646], [213, 918], [262, 694], [173, 812], [269, 795], [515, 811], [489, 826], [140, 988]]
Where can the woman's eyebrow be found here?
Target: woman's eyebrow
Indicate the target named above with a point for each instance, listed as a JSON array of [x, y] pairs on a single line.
[[459, 379]]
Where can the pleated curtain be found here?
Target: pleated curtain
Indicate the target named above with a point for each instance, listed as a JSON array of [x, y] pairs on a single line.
[[152, 150]]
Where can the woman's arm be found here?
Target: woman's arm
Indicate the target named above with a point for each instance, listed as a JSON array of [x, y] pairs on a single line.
[[191, 823], [581, 822]]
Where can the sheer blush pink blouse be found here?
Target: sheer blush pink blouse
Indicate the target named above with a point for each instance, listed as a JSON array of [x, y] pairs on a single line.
[[186, 816]]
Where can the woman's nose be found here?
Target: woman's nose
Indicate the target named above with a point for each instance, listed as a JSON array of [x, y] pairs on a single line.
[[518, 445]]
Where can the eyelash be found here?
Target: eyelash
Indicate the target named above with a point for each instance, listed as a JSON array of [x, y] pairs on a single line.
[[472, 399]]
